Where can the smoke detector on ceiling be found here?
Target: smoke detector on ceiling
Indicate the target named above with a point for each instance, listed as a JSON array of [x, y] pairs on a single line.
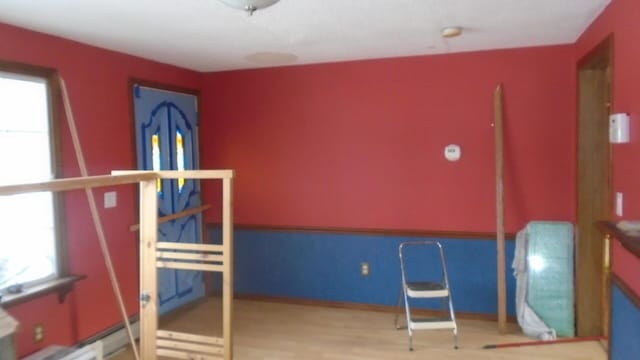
[[249, 6]]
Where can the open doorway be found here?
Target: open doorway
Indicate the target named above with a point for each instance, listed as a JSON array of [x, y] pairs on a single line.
[[593, 188]]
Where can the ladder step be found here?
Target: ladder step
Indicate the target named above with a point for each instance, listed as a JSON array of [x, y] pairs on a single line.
[[432, 324], [425, 286], [427, 293], [426, 290]]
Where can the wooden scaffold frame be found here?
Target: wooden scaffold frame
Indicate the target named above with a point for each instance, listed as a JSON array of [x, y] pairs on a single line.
[[153, 255]]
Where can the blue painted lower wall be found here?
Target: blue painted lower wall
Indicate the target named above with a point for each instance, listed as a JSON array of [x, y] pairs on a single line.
[[326, 266], [625, 327]]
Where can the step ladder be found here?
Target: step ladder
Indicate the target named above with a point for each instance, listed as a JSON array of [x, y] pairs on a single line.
[[425, 290]]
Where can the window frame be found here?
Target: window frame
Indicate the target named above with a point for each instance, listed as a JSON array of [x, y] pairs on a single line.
[[50, 79]]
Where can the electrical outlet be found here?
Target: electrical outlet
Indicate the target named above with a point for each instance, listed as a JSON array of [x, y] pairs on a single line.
[[38, 333], [364, 269]]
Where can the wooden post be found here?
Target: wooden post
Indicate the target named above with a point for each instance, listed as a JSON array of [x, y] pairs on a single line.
[[148, 270], [502, 288], [227, 275]]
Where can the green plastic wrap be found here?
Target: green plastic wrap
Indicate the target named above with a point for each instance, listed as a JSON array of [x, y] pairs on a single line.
[[550, 274]]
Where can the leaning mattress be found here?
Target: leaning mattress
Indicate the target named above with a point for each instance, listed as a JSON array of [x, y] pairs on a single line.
[[550, 274]]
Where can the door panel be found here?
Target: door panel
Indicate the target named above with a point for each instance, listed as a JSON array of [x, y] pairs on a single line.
[[167, 139]]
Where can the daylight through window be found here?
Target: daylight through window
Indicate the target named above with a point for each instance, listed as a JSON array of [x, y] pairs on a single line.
[[28, 234]]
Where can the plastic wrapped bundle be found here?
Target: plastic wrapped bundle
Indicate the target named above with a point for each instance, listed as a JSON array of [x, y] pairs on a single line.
[[550, 293]]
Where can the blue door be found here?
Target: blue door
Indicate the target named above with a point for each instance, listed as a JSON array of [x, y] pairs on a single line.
[[167, 139]]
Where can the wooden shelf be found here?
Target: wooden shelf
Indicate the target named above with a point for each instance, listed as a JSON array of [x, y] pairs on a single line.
[[631, 243], [62, 286]]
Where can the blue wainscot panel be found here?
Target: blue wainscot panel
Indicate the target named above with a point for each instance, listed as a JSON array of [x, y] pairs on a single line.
[[625, 327], [326, 266]]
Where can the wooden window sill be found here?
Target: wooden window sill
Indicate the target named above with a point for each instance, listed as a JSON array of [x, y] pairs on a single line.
[[61, 285]]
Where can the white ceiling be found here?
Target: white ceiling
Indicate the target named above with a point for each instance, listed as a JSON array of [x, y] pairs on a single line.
[[206, 35]]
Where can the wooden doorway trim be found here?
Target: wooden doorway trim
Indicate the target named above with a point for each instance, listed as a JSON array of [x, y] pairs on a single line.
[[594, 190]]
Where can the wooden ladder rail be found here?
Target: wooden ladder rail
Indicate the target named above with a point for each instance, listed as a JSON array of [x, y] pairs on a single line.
[[217, 258], [175, 216], [150, 336]]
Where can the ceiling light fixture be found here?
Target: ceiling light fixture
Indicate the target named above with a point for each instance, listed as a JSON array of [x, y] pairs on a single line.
[[451, 31], [249, 6]]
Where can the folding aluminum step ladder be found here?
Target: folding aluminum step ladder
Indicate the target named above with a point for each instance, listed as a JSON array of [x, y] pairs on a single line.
[[426, 289]]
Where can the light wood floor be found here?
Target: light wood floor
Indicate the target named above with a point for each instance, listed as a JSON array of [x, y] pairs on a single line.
[[275, 331]]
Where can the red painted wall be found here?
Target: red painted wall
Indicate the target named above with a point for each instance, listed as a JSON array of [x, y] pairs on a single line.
[[620, 18], [360, 144], [97, 81], [357, 144], [625, 264]]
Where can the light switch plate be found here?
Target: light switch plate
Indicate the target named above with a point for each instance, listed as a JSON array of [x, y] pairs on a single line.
[[110, 199], [619, 204]]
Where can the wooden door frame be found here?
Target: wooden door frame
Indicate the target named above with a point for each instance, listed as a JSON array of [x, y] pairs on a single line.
[[599, 59]]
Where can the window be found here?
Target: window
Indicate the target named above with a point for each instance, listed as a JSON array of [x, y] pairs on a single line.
[[29, 250], [180, 157], [155, 153]]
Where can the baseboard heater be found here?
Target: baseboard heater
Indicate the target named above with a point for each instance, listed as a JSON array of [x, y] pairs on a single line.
[[114, 340], [55, 352], [100, 347]]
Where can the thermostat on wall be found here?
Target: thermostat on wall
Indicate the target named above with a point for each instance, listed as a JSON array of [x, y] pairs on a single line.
[[452, 152], [619, 128]]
